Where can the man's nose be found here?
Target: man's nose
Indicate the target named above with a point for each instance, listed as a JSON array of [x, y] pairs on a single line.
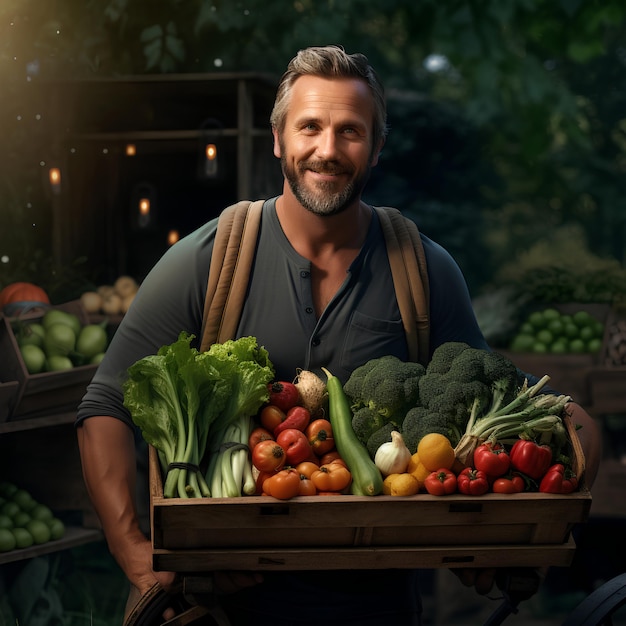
[[327, 146]]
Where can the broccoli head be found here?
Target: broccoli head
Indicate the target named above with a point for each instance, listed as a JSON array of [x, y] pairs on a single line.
[[443, 356], [458, 403], [354, 386], [462, 383], [504, 378], [386, 385], [365, 422], [420, 421]]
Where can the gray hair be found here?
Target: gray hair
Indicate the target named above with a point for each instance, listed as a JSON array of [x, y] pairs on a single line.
[[330, 62]]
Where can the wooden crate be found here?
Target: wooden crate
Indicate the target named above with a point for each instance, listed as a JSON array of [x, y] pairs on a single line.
[[8, 397], [359, 532], [608, 390], [46, 393]]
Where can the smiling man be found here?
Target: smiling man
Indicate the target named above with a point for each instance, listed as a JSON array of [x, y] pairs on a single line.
[[320, 294]]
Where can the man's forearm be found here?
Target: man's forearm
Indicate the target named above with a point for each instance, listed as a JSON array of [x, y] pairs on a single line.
[[109, 468]]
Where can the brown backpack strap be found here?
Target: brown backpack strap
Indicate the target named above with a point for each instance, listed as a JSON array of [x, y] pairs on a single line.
[[233, 252], [410, 279], [234, 249]]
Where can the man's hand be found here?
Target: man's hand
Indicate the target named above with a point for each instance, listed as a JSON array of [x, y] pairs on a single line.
[[482, 579], [231, 581]]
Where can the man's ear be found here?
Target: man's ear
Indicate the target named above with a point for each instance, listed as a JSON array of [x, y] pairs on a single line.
[[376, 152], [277, 153]]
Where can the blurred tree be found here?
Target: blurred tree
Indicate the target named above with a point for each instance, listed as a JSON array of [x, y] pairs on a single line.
[[518, 127]]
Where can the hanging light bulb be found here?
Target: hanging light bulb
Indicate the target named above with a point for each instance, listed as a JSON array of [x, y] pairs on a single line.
[[210, 160], [172, 237], [143, 205], [131, 149], [208, 138], [54, 175]]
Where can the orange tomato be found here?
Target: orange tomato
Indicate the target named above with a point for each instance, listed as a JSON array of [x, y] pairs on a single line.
[[320, 435], [332, 477], [283, 485], [307, 486], [271, 416], [306, 468]]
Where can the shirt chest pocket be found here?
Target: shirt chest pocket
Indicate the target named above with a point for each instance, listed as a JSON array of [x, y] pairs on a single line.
[[369, 338]]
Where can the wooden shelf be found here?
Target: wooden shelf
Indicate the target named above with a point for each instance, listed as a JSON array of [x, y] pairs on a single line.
[[18, 425], [74, 536]]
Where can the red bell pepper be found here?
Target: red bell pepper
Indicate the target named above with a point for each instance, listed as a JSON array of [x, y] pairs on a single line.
[[297, 417], [491, 459], [530, 458], [558, 479], [440, 483], [472, 482]]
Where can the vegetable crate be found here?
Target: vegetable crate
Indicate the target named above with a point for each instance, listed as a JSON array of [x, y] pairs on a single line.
[[360, 532], [47, 393], [8, 396]]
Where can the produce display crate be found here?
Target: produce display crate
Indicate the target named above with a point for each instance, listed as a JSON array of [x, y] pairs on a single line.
[[569, 373], [608, 390], [359, 532], [8, 397], [45, 393]]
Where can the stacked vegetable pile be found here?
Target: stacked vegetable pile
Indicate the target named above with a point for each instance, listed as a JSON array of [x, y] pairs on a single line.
[[24, 521], [444, 417], [59, 341], [114, 299], [223, 427], [550, 331], [493, 467]]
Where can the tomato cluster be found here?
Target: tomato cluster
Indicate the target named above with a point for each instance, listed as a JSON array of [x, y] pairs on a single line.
[[294, 454], [526, 466]]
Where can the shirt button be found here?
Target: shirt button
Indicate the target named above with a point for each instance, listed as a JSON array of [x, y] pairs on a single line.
[[304, 274], [315, 342], [309, 310]]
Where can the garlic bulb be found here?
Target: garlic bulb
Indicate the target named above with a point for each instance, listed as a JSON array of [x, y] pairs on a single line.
[[393, 456]]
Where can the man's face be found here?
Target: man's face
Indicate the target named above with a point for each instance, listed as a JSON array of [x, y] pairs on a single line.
[[326, 144]]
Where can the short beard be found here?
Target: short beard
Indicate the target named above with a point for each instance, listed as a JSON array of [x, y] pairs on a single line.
[[325, 201]]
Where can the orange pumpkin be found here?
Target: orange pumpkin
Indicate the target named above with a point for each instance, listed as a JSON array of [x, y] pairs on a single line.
[[23, 292]]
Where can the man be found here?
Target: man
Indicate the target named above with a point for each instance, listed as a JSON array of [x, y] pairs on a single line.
[[320, 294]]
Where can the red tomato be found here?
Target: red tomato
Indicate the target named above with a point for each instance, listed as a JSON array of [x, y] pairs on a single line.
[[259, 434], [295, 444], [271, 416], [306, 468], [307, 486], [505, 484], [332, 477], [260, 481], [283, 485], [283, 394], [268, 456], [320, 435]]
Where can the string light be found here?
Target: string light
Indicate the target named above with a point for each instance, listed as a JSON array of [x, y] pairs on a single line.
[[172, 237], [54, 175]]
